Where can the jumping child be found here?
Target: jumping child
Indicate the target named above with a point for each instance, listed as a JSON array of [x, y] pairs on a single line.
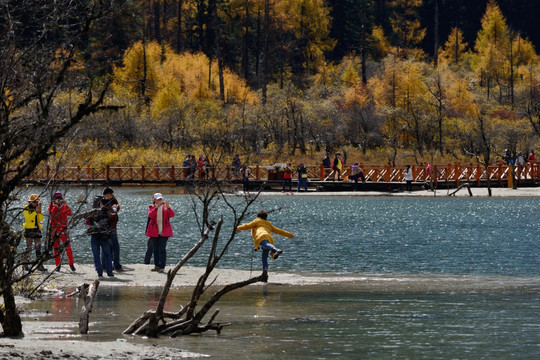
[[261, 231]]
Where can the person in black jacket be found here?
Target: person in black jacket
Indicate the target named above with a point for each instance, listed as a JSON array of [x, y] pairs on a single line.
[[113, 207], [100, 235]]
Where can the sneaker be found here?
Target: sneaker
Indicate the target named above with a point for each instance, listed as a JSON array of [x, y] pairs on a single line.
[[110, 275], [282, 191], [160, 270], [72, 267], [58, 268], [265, 276], [155, 268], [119, 270], [277, 253]]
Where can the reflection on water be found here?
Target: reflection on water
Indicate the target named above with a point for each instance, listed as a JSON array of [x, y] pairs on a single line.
[[324, 322]]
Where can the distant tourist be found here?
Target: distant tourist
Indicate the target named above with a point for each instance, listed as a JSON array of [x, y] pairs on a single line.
[[337, 166], [287, 177], [429, 171], [356, 173], [236, 166], [408, 177], [245, 177], [508, 157], [326, 161], [302, 177]]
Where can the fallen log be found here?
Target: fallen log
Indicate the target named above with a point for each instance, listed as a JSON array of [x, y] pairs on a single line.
[[468, 186]]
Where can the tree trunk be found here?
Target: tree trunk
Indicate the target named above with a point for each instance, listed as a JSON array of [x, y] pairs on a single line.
[[11, 321], [144, 78], [179, 32], [265, 58], [245, 40], [363, 43], [89, 295], [218, 56], [436, 33], [511, 73], [258, 45], [157, 32]]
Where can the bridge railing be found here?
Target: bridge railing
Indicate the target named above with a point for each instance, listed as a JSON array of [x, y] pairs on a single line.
[[457, 173]]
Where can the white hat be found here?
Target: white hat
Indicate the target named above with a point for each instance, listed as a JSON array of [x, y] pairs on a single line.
[[158, 196]]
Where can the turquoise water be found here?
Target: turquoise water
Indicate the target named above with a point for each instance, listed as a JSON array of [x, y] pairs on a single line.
[[492, 245], [480, 236]]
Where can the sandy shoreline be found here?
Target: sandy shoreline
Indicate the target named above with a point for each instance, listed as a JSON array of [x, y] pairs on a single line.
[[140, 275]]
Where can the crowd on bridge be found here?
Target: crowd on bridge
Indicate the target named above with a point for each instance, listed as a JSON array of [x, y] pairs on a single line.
[[332, 169]]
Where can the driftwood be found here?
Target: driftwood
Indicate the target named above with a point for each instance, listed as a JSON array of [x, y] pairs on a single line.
[[88, 293], [467, 185], [189, 318], [82, 291]]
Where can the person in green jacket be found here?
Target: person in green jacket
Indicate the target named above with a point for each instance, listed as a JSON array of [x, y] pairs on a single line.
[[261, 231], [32, 228]]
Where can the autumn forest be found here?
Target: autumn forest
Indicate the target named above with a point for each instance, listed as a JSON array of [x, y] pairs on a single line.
[[395, 81]]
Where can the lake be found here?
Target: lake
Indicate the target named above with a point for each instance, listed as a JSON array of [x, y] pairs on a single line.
[[494, 240]]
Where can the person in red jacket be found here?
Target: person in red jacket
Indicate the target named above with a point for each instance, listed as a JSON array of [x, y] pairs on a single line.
[[58, 217], [159, 230]]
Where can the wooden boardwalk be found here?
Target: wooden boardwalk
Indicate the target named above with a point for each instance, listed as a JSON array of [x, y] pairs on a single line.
[[378, 177]]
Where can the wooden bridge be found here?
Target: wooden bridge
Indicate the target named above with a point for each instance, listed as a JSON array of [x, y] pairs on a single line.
[[378, 177]]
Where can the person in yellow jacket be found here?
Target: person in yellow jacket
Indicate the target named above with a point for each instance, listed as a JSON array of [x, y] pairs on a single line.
[[32, 228], [261, 231]]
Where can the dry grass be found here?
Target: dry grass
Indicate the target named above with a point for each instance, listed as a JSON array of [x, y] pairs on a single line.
[[129, 156]]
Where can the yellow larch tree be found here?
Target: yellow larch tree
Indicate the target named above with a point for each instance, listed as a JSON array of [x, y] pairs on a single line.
[[407, 28], [454, 49], [381, 46], [383, 87], [139, 75], [492, 46], [310, 21]]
